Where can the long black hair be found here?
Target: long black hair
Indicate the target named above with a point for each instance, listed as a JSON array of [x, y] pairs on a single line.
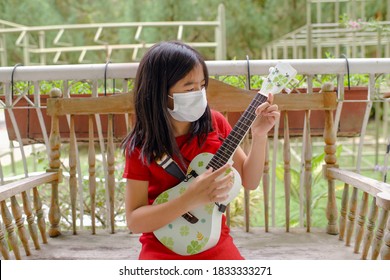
[[163, 65]]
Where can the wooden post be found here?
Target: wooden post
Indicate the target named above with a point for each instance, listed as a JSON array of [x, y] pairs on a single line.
[[3, 245], [72, 173], [7, 219], [351, 216], [54, 164], [246, 146], [383, 201], [370, 228], [266, 188], [385, 251], [30, 220], [361, 221], [39, 212], [377, 243], [287, 169], [308, 175], [247, 195], [19, 221], [343, 211], [92, 171], [111, 170], [330, 161]]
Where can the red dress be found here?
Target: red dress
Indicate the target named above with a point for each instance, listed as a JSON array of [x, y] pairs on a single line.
[[160, 180]]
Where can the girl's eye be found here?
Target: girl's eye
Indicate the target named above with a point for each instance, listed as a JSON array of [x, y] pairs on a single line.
[[193, 89]]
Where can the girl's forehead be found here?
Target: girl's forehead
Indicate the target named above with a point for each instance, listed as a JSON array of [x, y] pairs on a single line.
[[196, 75]]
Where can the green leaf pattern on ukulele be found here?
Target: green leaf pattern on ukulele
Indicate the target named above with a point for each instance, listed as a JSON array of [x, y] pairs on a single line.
[[162, 198], [168, 242], [182, 190], [184, 230], [280, 79], [194, 247], [209, 208]]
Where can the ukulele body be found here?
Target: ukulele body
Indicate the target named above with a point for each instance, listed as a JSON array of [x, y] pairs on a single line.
[[188, 238]]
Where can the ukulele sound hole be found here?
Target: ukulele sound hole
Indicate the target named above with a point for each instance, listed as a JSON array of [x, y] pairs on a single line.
[[190, 218]]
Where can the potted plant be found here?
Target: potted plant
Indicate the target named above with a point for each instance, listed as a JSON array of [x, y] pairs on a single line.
[[28, 121]]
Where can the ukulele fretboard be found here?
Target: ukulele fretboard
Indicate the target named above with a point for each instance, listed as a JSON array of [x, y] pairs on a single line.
[[237, 134]]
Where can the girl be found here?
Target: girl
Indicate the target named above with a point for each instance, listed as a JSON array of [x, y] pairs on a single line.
[[172, 117]]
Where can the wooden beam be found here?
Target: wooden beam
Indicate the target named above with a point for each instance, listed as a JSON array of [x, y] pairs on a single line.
[[220, 96], [119, 103], [306, 101], [371, 186], [17, 187], [383, 200]]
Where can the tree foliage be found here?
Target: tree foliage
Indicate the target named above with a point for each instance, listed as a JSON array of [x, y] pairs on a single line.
[[249, 23]]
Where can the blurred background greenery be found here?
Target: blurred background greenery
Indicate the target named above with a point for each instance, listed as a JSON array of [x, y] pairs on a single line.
[[249, 23]]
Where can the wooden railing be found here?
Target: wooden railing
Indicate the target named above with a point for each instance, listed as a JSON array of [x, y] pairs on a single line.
[[352, 218], [223, 98], [35, 219]]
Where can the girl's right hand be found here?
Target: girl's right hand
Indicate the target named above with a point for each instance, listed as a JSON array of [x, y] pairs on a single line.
[[210, 186]]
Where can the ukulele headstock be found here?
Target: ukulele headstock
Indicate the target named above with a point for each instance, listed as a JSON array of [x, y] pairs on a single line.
[[278, 78]]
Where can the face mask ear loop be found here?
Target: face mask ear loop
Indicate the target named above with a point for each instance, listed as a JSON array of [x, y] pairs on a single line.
[[248, 77], [12, 80], [349, 80], [105, 77]]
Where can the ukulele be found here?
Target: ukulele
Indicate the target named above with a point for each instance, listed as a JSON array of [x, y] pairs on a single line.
[[200, 229]]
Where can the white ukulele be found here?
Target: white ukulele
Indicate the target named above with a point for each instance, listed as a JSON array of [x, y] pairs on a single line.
[[200, 229]]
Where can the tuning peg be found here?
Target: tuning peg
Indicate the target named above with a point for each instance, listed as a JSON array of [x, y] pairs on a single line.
[[296, 81], [266, 79]]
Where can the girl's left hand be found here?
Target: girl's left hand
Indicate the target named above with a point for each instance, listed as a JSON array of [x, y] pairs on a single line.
[[267, 114]]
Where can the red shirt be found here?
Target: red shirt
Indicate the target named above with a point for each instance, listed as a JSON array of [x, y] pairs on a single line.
[[159, 181]]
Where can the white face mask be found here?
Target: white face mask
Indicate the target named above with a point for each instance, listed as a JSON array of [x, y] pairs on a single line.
[[189, 106]]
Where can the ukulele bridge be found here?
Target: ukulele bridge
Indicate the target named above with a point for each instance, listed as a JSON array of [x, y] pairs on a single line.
[[190, 218]]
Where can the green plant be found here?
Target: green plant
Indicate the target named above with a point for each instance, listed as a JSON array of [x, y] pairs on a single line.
[[319, 186], [100, 199], [237, 209], [317, 207], [75, 87]]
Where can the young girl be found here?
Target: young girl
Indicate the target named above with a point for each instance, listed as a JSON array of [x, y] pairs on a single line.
[[172, 117]]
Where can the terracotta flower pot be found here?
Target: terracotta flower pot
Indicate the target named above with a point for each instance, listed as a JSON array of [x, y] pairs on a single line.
[[31, 132]]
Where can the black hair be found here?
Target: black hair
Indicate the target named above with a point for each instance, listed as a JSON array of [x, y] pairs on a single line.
[[162, 66]]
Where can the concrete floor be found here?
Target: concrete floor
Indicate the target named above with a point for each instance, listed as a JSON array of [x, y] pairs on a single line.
[[274, 245]]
